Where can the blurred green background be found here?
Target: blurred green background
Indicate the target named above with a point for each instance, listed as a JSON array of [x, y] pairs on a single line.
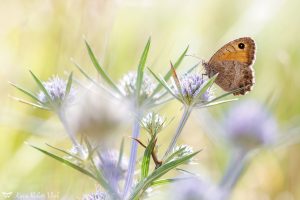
[[44, 35]]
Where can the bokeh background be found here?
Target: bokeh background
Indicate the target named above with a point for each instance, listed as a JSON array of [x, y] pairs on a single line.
[[44, 35]]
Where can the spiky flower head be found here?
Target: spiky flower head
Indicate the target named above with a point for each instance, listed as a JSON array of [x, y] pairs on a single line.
[[56, 88], [112, 170], [153, 123], [128, 86], [190, 85], [250, 125], [96, 196]]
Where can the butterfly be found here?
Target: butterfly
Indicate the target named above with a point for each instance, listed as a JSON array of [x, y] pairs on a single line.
[[233, 63]]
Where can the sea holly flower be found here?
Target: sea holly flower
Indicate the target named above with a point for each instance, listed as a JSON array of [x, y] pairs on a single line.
[[54, 94], [249, 125], [193, 92], [153, 123], [56, 88], [190, 87], [98, 195], [128, 87], [113, 169]]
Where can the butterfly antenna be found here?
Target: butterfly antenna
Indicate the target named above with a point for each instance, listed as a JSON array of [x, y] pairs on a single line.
[[194, 56]]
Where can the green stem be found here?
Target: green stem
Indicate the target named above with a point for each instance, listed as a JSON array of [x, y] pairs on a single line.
[[186, 113]]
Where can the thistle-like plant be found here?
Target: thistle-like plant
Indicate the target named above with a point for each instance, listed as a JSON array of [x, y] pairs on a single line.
[[193, 91], [91, 156]]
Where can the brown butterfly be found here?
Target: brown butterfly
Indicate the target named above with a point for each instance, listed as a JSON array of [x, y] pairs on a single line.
[[233, 63]]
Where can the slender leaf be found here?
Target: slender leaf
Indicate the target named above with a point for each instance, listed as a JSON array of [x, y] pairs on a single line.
[[206, 85], [31, 104], [69, 84], [162, 170], [224, 95], [166, 181], [146, 158], [216, 103], [176, 80], [74, 166], [169, 73], [84, 73], [141, 67], [174, 154], [164, 84], [65, 152], [100, 70], [28, 93], [41, 86]]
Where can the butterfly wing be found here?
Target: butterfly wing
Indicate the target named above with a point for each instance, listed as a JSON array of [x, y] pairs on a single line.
[[234, 63]]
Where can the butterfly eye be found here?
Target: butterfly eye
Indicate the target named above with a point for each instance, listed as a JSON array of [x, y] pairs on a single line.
[[241, 45]]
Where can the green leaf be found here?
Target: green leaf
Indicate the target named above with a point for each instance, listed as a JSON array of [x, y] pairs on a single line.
[[31, 104], [100, 180], [69, 84], [162, 170], [169, 73], [100, 70], [84, 73], [176, 80], [164, 84], [174, 154], [166, 181], [146, 158], [41, 86], [141, 67], [216, 103], [28, 93], [65, 152], [224, 95], [206, 85]]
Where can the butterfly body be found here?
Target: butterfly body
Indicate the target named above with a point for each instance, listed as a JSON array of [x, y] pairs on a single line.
[[233, 63]]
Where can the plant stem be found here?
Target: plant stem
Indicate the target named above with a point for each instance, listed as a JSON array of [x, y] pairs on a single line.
[[62, 117], [133, 155], [186, 113], [233, 173]]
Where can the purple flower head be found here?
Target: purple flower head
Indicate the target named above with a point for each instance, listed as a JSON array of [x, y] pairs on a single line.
[[128, 86], [95, 196], [194, 189], [249, 125], [56, 88], [112, 172], [191, 84]]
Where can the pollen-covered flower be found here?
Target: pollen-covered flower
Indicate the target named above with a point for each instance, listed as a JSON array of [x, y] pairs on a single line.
[[191, 85], [96, 196], [56, 88], [250, 125], [153, 123], [128, 86]]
